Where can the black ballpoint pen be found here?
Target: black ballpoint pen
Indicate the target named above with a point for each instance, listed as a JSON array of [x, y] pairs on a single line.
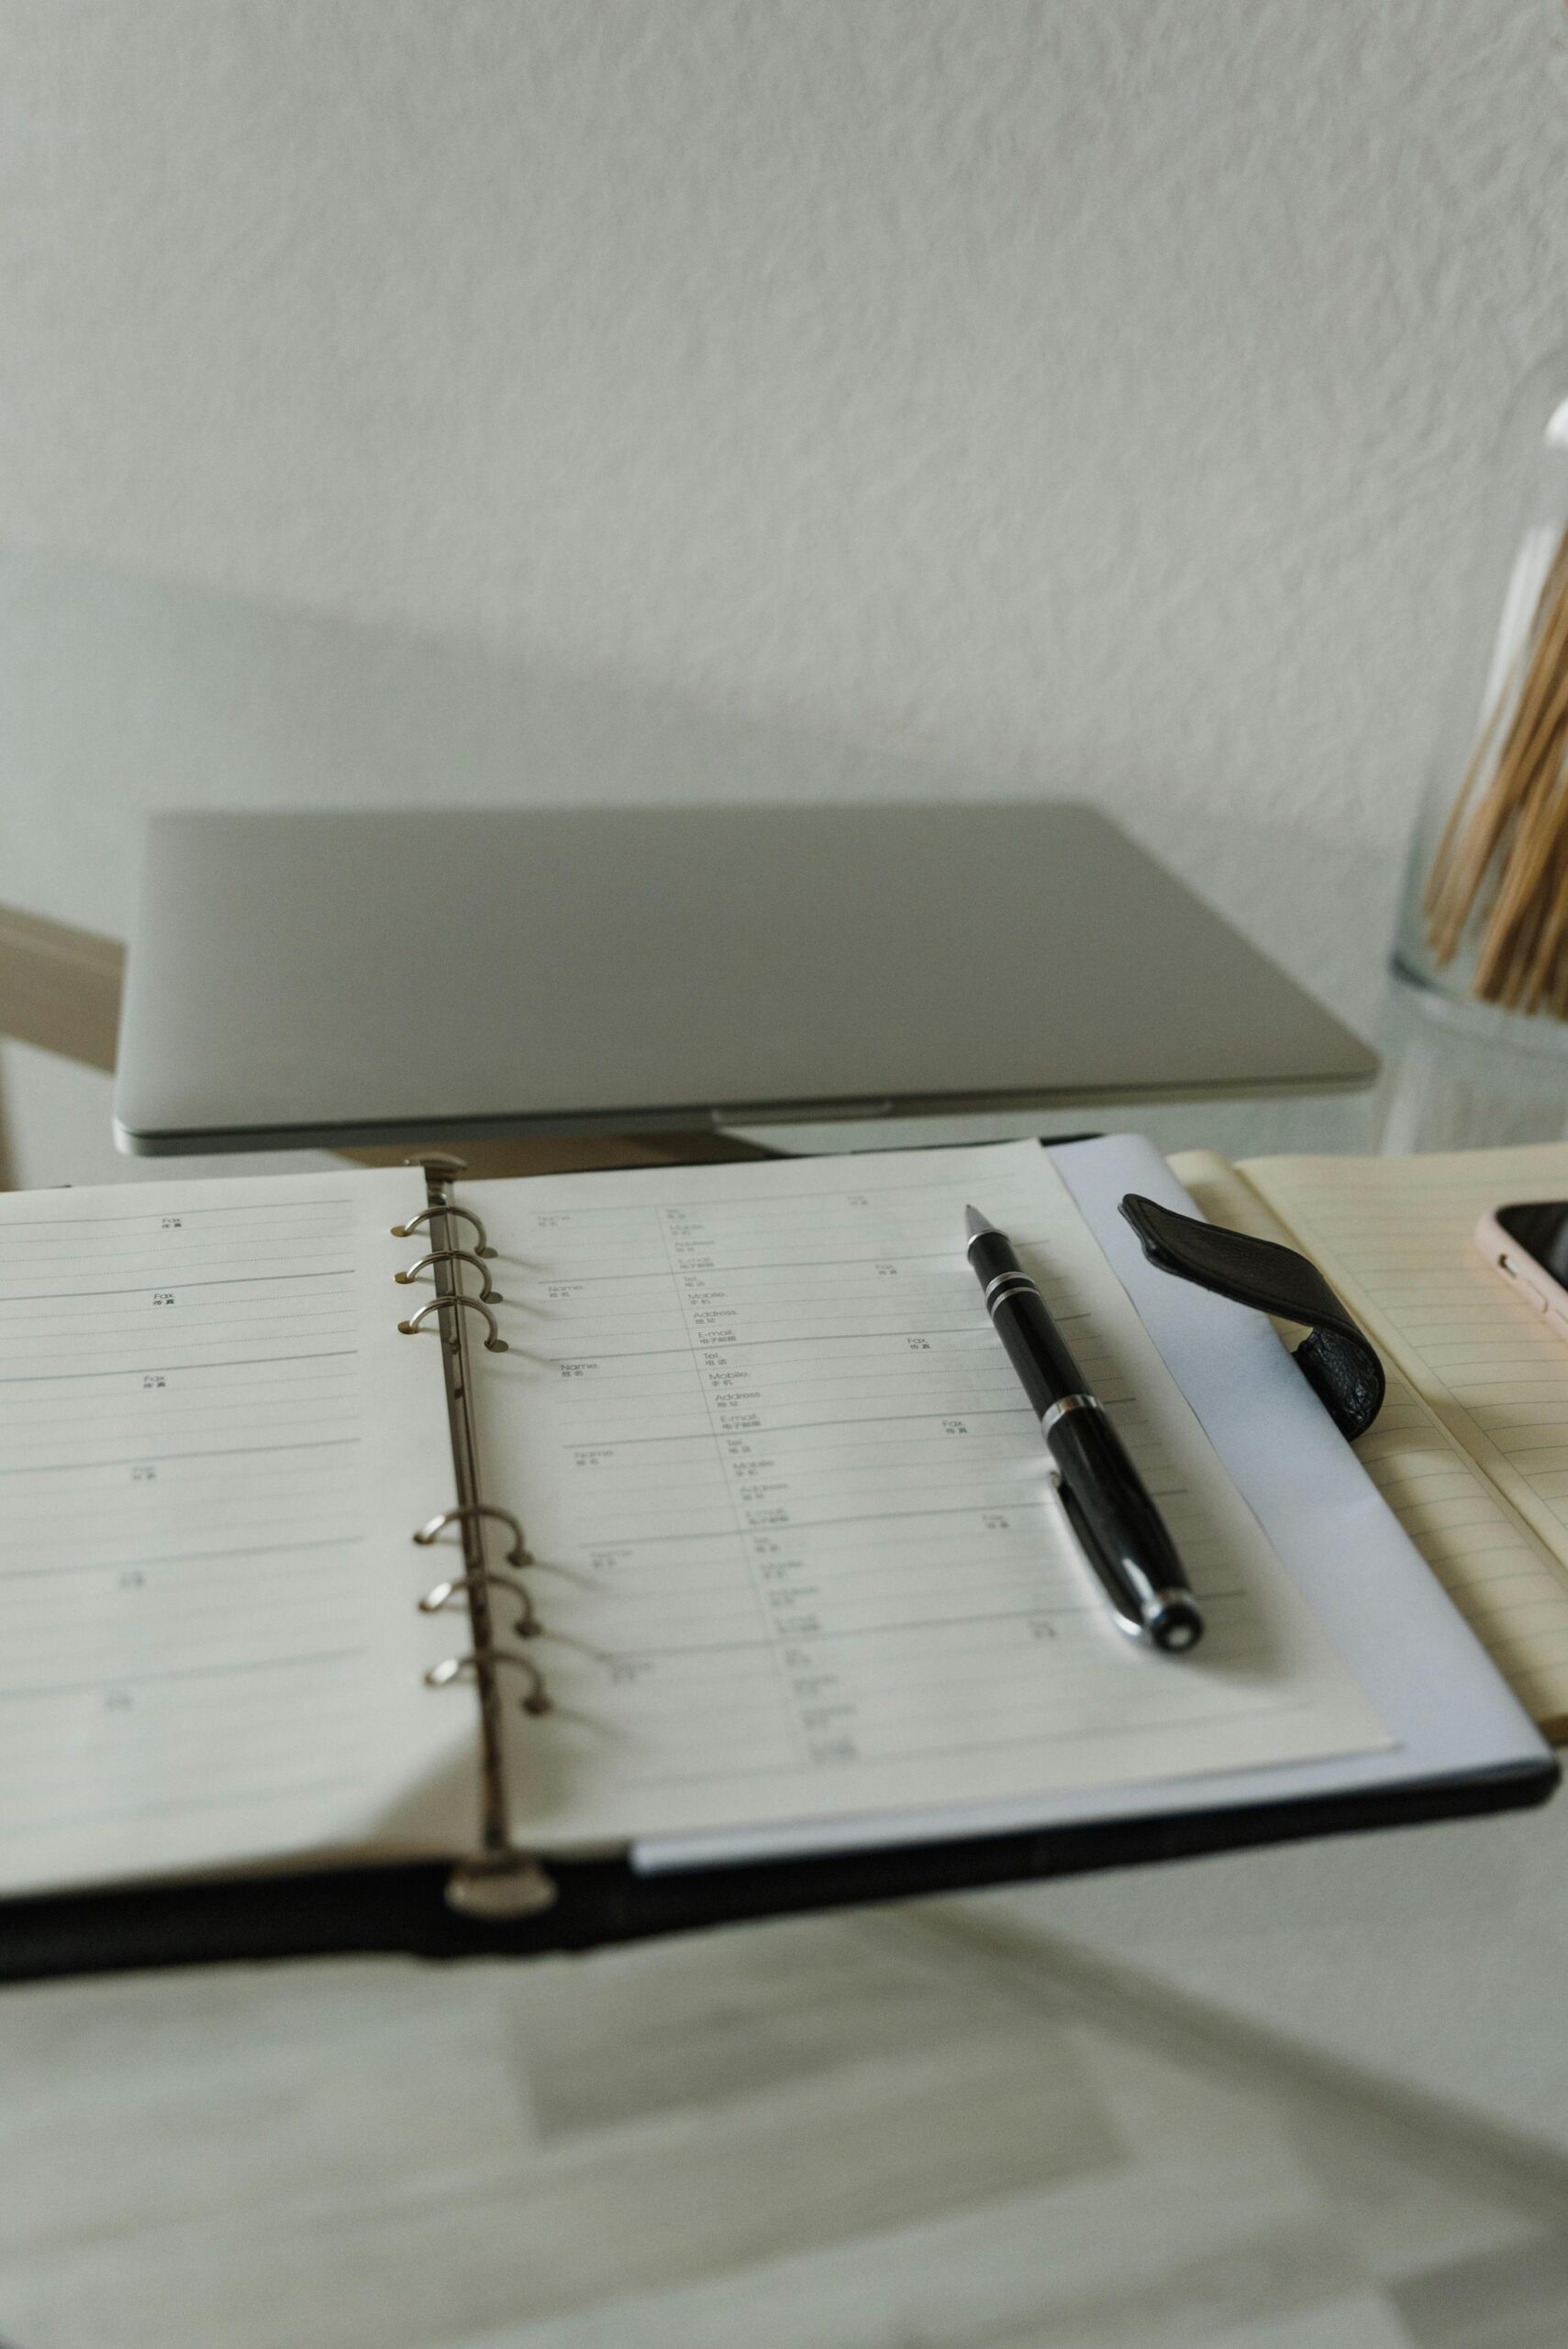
[[1119, 1528]]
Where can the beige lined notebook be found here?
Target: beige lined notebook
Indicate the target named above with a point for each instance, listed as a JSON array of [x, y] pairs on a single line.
[[1471, 1449]]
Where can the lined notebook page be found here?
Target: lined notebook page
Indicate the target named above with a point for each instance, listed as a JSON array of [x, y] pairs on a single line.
[[795, 1555], [1500, 1575], [212, 1448]]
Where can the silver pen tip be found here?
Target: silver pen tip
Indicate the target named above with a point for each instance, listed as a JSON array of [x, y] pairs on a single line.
[[977, 1222]]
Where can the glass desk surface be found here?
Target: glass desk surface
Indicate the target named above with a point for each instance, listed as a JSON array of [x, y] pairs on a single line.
[[1298, 2098], [1308, 2095]]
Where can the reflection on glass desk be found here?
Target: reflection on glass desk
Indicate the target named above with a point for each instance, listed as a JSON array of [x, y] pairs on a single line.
[[921, 2129]]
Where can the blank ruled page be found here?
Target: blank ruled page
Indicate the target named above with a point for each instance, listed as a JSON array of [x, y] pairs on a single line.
[[795, 1555], [1405, 1266], [1393, 1235], [212, 1450]]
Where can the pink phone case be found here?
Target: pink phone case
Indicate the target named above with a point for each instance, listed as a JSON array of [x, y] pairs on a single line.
[[1530, 1281]]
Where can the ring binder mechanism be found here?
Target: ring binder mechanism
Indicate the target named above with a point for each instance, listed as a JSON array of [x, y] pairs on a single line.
[[528, 1625], [454, 1667], [497, 1880], [407, 1231], [495, 1344], [516, 1556], [487, 1295]]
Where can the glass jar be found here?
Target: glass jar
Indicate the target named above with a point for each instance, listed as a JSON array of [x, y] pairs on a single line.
[[1483, 931]]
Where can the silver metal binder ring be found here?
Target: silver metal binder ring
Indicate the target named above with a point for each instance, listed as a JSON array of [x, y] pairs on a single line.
[[1007, 1284], [495, 1344], [407, 1231], [1064, 1403], [459, 1667], [488, 1294], [528, 1625], [517, 1556]]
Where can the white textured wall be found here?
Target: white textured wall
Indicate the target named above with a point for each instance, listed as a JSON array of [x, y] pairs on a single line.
[[1091, 392]]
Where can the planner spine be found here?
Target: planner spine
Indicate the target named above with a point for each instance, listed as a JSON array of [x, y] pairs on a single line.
[[497, 1880]]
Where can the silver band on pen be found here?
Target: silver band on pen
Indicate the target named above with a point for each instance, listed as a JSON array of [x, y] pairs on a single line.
[[1063, 1404], [1007, 1284]]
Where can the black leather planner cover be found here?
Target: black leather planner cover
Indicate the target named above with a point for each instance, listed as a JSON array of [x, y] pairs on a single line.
[[360, 1910]]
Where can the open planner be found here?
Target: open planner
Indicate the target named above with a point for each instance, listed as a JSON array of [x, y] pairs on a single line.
[[392, 1559]]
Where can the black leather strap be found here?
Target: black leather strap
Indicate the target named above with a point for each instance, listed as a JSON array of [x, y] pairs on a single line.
[[1339, 1362]]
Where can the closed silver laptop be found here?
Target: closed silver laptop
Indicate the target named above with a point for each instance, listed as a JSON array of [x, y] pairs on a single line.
[[326, 978]]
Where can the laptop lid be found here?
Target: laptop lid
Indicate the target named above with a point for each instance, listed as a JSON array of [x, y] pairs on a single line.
[[314, 977]]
